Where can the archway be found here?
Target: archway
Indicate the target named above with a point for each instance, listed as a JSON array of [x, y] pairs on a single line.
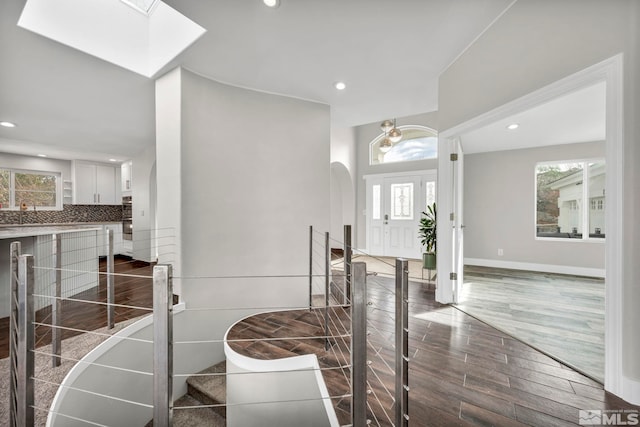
[[343, 202]]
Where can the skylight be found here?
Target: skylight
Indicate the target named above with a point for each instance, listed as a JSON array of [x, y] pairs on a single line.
[[143, 6], [139, 35]]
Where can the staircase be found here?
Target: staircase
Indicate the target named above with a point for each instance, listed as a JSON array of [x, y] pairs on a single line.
[[203, 390]]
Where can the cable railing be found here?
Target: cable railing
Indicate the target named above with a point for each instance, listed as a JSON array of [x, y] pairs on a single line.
[[386, 323], [333, 328]]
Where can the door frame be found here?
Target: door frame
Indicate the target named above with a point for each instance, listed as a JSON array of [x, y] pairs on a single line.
[[423, 173], [611, 72]]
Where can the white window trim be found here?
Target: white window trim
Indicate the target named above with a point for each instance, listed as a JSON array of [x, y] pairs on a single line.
[[585, 197], [13, 207]]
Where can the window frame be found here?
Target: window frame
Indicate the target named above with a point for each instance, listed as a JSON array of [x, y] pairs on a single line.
[[13, 206], [585, 237], [378, 139]]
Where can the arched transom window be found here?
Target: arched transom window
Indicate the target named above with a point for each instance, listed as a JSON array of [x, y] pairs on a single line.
[[417, 143]]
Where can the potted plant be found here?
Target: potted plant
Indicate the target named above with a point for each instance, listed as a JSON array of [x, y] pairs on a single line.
[[428, 237]]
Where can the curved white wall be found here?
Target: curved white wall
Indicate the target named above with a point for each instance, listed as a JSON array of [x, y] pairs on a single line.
[[83, 391], [288, 392]]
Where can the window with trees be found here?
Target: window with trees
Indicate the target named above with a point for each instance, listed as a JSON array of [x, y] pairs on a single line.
[[570, 199], [29, 188], [417, 143]]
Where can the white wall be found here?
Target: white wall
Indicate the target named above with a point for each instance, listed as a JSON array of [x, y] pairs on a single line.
[[534, 44], [36, 163], [252, 173], [169, 169], [364, 135], [343, 186], [131, 386], [293, 387], [143, 195], [343, 148], [500, 208]]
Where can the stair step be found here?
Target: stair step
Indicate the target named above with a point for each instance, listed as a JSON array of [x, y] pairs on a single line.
[[203, 390], [210, 389], [195, 417]]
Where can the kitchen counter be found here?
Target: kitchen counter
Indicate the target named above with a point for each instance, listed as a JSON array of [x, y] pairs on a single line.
[[17, 231], [78, 259]]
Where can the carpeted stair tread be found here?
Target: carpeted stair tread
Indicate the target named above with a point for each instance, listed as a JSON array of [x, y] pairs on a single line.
[[210, 389], [195, 417]]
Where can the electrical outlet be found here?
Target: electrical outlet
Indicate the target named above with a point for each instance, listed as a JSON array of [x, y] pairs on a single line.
[[500, 252]]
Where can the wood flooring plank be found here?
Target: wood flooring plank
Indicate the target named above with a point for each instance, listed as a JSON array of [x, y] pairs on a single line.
[[568, 398], [527, 400], [482, 417], [560, 314], [423, 414], [536, 418]]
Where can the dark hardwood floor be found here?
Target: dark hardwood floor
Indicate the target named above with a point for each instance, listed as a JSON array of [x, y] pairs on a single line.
[[462, 371], [130, 291]]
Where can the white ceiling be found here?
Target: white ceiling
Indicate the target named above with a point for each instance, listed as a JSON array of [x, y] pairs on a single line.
[[68, 104], [576, 117]]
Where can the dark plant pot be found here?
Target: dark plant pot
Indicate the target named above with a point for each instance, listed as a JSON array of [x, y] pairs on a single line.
[[429, 261]]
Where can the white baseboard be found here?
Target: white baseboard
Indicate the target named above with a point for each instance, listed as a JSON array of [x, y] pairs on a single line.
[[630, 390], [545, 268]]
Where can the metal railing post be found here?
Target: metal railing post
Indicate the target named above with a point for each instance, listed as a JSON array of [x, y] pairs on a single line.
[[56, 306], [110, 279], [162, 345], [327, 288], [402, 343], [310, 266], [14, 253], [359, 345], [26, 341], [347, 264]]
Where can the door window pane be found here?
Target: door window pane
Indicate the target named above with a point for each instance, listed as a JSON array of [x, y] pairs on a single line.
[[402, 201], [376, 201], [430, 196]]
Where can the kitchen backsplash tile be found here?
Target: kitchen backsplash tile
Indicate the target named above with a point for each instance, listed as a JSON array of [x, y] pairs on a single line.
[[69, 213]]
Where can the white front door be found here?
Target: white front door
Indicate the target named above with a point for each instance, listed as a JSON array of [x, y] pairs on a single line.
[[402, 216], [394, 208]]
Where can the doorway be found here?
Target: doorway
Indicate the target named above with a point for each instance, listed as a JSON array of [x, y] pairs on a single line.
[[608, 72], [395, 203]]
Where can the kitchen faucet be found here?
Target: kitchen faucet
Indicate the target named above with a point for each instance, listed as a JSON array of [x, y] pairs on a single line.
[[23, 207]]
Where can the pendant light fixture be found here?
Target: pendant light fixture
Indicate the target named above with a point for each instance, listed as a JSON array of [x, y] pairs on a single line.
[[394, 134], [391, 135], [386, 126], [386, 144]]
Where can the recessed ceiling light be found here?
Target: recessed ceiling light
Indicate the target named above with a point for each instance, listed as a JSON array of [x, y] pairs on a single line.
[[113, 160], [513, 126], [340, 85], [271, 3], [8, 124], [42, 155]]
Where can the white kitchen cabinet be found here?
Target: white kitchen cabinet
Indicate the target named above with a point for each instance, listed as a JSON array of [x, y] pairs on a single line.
[[96, 184], [126, 172]]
